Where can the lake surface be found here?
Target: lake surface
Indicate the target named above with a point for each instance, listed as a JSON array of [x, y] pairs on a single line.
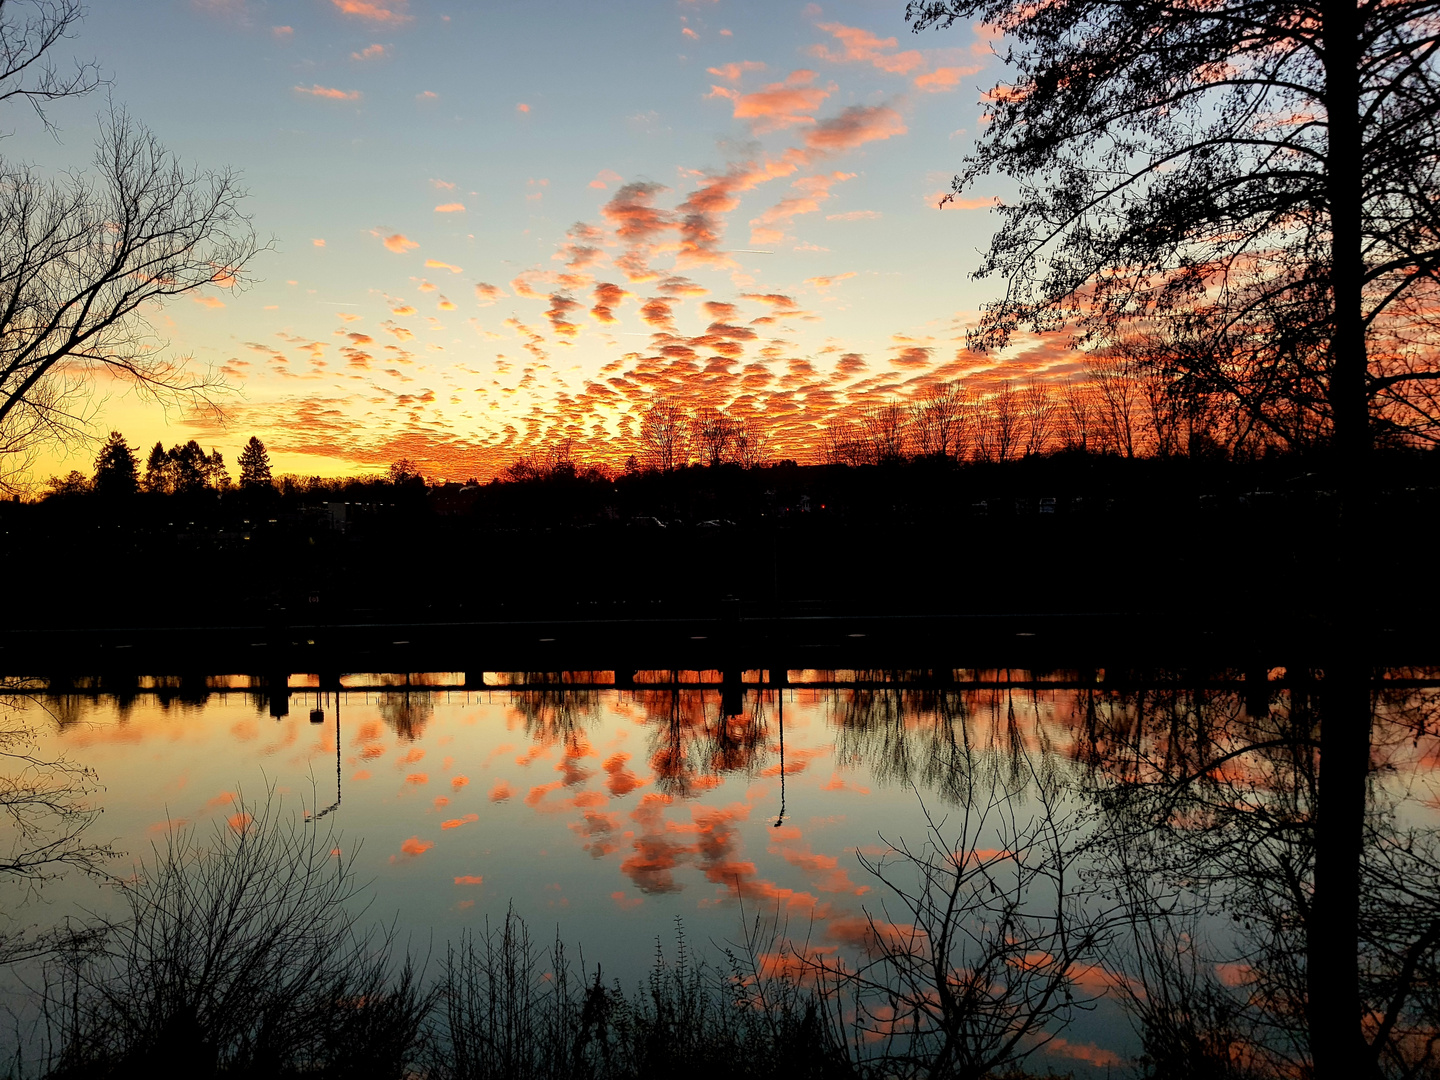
[[612, 813]]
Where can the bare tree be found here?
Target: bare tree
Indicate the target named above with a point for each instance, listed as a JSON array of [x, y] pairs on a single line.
[[845, 444], [1078, 414], [887, 427], [752, 444], [79, 260], [937, 420], [45, 814], [1005, 406], [665, 435], [713, 435], [977, 967], [26, 71], [982, 442], [1040, 415], [1114, 379]]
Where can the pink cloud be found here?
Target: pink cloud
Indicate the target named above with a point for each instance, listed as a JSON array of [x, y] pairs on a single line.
[[855, 126], [779, 105], [865, 47], [450, 208], [944, 78], [370, 52], [367, 9], [399, 243], [733, 71], [854, 215], [522, 107], [329, 93], [604, 178], [282, 33]]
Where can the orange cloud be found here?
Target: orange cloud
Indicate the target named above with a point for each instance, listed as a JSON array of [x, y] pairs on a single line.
[[862, 46], [470, 879], [367, 9], [856, 125], [455, 823], [416, 846], [459, 781], [399, 243], [436, 264], [691, 34], [450, 208], [942, 79], [604, 178], [779, 105], [732, 72], [826, 282], [501, 791], [370, 52], [329, 92], [522, 107], [769, 227], [559, 314]]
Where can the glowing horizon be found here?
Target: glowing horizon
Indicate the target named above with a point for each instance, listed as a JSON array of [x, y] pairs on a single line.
[[490, 235]]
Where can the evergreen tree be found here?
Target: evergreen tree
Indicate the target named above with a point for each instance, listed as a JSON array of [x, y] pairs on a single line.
[[254, 465], [117, 472], [159, 476]]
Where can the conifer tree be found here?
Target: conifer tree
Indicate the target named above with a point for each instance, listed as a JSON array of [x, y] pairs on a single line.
[[255, 465], [117, 472]]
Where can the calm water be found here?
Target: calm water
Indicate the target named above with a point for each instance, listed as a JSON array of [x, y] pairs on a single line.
[[611, 813]]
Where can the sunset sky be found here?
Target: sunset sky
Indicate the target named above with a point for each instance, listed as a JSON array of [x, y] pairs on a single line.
[[495, 225]]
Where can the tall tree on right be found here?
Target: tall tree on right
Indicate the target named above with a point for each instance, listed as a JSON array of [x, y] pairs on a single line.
[[1257, 182]]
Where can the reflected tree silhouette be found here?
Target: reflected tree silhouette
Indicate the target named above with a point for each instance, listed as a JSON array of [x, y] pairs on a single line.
[[1209, 830], [406, 712]]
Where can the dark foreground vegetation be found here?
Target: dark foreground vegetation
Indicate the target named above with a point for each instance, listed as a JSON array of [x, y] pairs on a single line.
[[244, 955], [1069, 531]]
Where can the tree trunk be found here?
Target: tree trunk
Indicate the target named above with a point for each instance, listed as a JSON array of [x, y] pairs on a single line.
[[1337, 1042]]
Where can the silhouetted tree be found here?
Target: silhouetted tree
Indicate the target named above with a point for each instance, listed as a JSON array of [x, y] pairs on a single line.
[[665, 436], [752, 444], [938, 420], [714, 434], [1077, 417], [1005, 407], [404, 473], [72, 483], [117, 472], [184, 470], [254, 465], [887, 428], [1039, 409], [1116, 390], [81, 260]]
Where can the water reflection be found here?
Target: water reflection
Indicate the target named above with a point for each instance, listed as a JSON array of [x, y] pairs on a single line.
[[1192, 810]]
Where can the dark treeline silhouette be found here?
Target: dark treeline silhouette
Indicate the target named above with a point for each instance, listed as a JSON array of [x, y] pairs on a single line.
[[1065, 530]]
